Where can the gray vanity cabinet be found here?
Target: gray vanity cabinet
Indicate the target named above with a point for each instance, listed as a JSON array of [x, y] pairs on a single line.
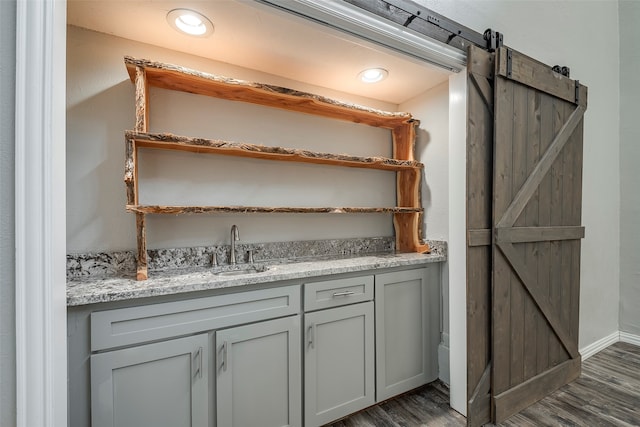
[[339, 349], [164, 384], [259, 374], [407, 330], [244, 359]]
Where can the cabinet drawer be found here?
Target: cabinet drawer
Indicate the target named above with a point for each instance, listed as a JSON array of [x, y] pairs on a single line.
[[334, 293], [134, 325]]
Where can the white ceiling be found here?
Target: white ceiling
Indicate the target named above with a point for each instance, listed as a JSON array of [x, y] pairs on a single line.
[[259, 37]]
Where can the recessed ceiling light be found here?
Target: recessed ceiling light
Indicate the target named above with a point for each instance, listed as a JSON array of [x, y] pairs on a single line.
[[190, 22], [373, 75]]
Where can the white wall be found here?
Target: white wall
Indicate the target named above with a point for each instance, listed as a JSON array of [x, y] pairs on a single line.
[[629, 171], [7, 225], [100, 107], [584, 36], [432, 149], [432, 109]]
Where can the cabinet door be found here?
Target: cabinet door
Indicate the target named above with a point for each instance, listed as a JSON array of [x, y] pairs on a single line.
[[339, 362], [407, 331], [153, 385], [259, 374]]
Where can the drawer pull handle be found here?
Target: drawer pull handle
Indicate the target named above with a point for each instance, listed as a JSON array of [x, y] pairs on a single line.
[[343, 294]]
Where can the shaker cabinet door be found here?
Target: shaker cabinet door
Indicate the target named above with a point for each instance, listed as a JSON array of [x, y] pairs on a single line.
[[163, 384], [339, 362], [407, 331], [259, 374]]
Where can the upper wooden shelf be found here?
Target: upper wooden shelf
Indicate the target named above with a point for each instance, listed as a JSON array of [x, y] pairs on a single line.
[[173, 77], [201, 145]]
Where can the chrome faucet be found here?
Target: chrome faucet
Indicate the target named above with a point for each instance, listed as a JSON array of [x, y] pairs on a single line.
[[235, 236]]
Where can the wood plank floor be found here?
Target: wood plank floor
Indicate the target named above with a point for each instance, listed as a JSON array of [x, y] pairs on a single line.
[[606, 394]]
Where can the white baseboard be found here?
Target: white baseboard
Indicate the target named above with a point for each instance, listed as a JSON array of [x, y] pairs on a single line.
[[599, 345], [444, 370], [630, 338]]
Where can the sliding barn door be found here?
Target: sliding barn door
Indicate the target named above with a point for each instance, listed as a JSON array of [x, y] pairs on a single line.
[[537, 198]]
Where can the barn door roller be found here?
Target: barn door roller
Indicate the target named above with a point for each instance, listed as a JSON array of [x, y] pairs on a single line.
[[493, 39]]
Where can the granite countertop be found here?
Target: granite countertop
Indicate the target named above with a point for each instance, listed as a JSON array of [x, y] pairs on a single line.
[[92, 290]]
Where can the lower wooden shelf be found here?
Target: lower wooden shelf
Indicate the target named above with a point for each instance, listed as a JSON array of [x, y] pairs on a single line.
[[175, 210], [406, 222]]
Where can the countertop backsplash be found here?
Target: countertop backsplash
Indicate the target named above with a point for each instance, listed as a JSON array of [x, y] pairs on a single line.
[[123, 263]]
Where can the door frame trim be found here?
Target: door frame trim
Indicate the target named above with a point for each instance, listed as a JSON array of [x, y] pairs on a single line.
[[40, 209], [457, 242]]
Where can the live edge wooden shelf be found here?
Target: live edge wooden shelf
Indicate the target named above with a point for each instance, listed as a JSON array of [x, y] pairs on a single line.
[[407, 215]]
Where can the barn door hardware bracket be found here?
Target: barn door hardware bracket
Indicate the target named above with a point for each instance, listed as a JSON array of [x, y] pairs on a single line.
[[509, 63], [577, 82], [494, 40], [440, 21], [420, 19], [565, 71]]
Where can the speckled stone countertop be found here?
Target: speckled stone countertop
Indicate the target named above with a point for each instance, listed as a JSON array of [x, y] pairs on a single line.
[[92, 290]]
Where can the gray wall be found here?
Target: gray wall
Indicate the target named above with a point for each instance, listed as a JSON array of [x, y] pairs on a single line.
[[7, 239], [629, 173]]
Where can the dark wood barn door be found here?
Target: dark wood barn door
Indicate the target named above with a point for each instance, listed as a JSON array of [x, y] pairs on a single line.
[[537, 199], [524, 196]]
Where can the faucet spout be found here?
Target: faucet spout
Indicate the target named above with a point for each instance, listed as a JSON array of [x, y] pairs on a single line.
[[235, 236]]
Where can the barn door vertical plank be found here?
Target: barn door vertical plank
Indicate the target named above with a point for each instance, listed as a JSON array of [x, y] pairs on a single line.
[[539, 212], [546, 269], [502, 273], [576, 218], [556, 351], [562, 209], [576, 142], [479, 201], [520, 168]]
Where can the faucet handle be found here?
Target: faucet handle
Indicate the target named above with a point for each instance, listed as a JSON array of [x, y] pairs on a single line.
[[250, 256], [214, 260]]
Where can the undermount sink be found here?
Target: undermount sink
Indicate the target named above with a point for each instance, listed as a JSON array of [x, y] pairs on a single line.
[[239, 270]]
